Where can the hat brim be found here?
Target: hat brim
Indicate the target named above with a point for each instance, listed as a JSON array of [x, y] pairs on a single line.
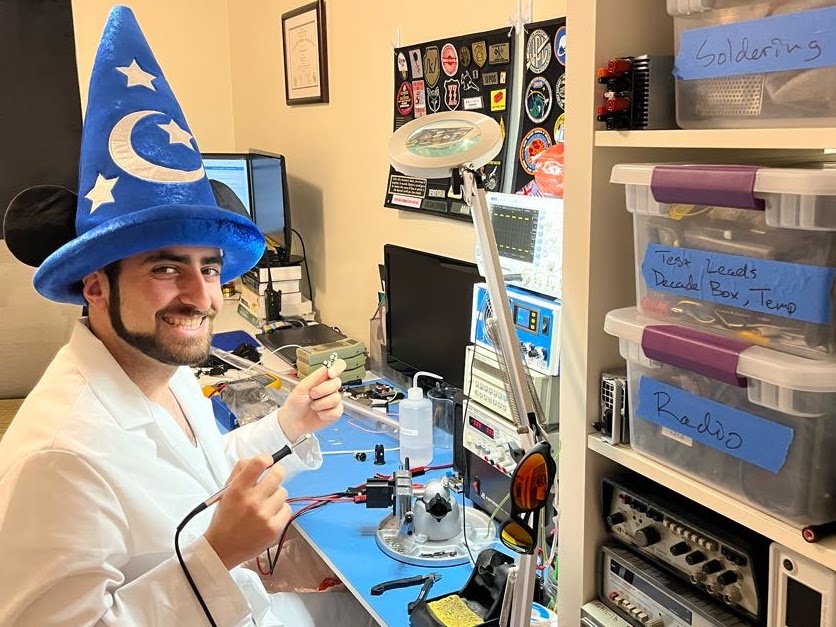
[[242, 245]]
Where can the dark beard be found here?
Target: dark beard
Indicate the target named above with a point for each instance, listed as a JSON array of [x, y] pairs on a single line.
[[188, 353]]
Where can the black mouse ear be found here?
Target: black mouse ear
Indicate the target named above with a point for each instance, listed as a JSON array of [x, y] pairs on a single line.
[[227, 199], [39, 221]]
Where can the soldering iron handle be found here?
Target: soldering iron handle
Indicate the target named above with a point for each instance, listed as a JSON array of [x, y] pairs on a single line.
[[281, 453]]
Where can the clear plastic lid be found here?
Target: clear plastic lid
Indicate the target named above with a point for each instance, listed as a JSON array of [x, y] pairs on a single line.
[[755, 362], [816, 180]]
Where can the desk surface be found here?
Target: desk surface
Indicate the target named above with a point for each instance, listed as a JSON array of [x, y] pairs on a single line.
[[344, 533]]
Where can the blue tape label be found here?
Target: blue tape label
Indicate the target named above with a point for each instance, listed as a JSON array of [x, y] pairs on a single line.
[[795, 41], [737, 433], [779, 288]]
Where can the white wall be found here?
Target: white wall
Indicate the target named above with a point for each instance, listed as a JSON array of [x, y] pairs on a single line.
[[223, 59], [336, 152], [190, 39]]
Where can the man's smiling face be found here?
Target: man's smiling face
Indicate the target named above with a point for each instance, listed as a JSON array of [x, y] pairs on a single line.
[[162, 303]]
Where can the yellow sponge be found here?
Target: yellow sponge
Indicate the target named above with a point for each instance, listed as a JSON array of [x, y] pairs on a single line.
[[452, 611]]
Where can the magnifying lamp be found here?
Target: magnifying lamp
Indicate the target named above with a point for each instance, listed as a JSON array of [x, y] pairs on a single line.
[[457, 144]]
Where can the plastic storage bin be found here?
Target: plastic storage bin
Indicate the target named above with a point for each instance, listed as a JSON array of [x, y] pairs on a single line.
[[762, 63], [747, 420], [742, 251]]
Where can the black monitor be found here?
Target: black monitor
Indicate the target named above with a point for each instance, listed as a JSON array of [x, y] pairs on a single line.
[[259, 181], [429, 301]]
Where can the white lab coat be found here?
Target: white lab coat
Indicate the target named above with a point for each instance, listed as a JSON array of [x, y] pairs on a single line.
[[94, 479]]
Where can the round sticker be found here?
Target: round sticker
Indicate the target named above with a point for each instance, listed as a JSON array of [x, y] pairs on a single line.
[[404, 98], [535, 142], [538, 99], [560, 45], [560, 92], [558, 128], [464, 55], [538, 51], [449, 60], [403, 68]]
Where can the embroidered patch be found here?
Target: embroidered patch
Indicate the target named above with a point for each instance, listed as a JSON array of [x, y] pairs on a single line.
[[449, 60], [538, 99], [536, 141], [538, 51]]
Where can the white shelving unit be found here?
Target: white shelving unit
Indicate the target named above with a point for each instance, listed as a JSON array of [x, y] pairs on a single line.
[[599, 277], [750, 138]]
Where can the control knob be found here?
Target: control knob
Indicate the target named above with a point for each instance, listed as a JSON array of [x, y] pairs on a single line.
[[616, 519], [646, 536], [726, 578], [694, 558], [712, 566], [680, 548]]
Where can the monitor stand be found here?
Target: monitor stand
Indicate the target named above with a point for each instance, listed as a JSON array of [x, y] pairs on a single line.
[[276, 262]]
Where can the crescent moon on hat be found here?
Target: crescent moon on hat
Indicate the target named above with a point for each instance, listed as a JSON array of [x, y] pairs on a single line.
[[123, 154]]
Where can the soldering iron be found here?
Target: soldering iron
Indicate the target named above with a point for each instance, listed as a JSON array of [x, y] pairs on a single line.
[[283, 452]]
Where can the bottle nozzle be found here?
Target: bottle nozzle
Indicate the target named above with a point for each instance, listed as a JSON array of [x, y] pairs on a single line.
[[424, 374]]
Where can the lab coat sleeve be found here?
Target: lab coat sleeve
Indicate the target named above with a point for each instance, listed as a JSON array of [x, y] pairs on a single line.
[[64, 538], [266, 436]]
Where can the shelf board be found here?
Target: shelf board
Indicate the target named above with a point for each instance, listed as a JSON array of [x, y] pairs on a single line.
[[823, 552], [749, 138]]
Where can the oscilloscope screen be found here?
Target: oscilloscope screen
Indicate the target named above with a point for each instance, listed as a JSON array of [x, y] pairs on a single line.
[[515, 229]]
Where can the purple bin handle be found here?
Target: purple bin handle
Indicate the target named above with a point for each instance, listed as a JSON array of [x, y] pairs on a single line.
[[710, 185], [704, 353]]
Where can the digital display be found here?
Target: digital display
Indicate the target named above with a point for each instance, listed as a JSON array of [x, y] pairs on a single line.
[[525, 318], [521, 314], [803, 605], [481, 427]]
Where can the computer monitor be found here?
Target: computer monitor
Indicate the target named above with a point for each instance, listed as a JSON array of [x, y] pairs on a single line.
[[234, 172], [259, 181], [429, 301], [271, 199]]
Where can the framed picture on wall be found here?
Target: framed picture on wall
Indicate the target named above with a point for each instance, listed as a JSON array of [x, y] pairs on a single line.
[[305, 54]]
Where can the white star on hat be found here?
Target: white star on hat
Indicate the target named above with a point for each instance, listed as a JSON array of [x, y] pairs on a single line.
[[137, 76], [177, 135], [102, 192]]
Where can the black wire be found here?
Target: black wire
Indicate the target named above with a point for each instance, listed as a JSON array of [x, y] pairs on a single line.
[[307, 272], [186, 572], [296, 514]]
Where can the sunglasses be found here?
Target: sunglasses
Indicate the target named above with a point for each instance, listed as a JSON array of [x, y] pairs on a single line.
[[530, 485]]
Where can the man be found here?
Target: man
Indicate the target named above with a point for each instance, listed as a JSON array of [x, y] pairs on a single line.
[[116, 443]]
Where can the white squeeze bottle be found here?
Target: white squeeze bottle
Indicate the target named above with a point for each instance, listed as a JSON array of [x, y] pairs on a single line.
[[416, 425]]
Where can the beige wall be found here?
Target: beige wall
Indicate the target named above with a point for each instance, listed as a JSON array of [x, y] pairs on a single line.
[[193, 55], [227, 72], [336, 152]]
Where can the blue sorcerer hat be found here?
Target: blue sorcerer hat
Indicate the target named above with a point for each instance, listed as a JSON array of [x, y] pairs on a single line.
[[141, 180]]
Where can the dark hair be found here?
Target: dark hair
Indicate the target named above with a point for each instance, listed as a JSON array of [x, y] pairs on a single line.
[[111, 271]]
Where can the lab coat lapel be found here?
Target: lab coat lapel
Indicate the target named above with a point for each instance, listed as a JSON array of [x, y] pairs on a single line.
[[132, 410], [198, 410]]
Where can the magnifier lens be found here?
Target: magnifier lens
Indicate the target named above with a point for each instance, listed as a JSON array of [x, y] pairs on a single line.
[[446, 138]]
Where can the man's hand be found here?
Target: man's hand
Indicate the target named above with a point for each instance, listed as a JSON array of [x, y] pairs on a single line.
[[251, 514], [314, 403]]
